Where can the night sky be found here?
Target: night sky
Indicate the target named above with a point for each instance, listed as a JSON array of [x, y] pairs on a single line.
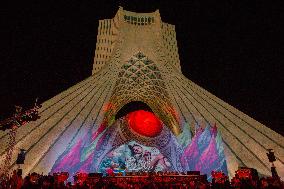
[[234, 49]]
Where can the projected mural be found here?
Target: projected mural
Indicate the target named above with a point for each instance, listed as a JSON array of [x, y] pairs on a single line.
[[129, 146], [134, 157]]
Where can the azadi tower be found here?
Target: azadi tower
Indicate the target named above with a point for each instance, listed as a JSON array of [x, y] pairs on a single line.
[[136, 59]]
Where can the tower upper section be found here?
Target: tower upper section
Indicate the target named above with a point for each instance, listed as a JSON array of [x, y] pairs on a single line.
[[137, 31]]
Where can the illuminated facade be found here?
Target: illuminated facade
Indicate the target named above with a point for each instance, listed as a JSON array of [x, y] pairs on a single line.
[[137, 59]]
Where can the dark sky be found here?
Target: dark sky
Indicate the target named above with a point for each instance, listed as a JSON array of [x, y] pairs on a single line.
[[234, 49]]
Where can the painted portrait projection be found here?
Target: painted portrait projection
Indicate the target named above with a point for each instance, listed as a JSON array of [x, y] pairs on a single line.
[[140, 142], [134, 157]]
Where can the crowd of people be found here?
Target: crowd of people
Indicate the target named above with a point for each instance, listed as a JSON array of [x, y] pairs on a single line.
[[171, 180]]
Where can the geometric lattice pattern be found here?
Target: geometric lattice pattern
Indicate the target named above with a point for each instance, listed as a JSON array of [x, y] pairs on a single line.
[[140, 80]]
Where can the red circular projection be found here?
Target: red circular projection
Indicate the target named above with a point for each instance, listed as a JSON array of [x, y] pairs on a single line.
[[144, 123]]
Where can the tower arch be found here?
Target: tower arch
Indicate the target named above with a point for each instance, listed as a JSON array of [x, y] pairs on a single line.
[[139, 79], [132, 106]]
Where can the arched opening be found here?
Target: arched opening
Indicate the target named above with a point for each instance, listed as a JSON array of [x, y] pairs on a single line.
[[132, 106]]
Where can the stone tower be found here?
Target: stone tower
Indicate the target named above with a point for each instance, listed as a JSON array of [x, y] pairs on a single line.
[[136, 59]]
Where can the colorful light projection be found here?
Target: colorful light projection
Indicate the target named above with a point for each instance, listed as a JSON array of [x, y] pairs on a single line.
[[134, 157], [203, 152], [144, 123]]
